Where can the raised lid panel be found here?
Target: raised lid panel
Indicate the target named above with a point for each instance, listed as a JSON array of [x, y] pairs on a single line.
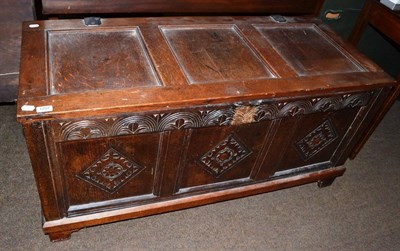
[[308, 51], [181, 6], [83, 60], [214, 53]]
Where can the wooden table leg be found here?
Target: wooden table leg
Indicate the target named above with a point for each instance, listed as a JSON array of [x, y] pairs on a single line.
[[361, 23]]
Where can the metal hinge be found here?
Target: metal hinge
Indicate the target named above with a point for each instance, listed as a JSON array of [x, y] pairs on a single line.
[[92, 21]]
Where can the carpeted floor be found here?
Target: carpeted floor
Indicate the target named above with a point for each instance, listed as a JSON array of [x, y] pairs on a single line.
[[360, 211]]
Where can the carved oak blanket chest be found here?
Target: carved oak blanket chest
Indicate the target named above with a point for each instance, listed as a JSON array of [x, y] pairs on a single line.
[[129, 117]]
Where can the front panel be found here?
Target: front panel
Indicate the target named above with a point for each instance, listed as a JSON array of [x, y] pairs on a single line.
[[219, 157], [140, 158], [109, 172]]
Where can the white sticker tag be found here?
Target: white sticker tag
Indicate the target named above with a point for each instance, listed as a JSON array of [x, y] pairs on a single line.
[[27, 108], [46, 108]]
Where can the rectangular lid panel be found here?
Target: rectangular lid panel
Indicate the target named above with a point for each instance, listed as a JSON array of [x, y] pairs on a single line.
[[83, 60], [214, 53], [308, 50]]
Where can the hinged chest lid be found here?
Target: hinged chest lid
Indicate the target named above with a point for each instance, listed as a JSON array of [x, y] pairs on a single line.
[[138, 64]]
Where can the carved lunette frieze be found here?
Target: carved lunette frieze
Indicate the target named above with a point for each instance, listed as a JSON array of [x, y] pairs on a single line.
[[206, 117], [144, 123], [285, 109]]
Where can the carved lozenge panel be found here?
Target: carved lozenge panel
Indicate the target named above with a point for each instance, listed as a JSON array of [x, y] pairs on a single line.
[[317, 140], [224, 156], [111, 171]]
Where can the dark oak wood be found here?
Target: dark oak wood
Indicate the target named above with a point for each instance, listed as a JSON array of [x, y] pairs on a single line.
[[12, 13], [71, 71], [310, 51], [201, 52], [182, 6], [149, 115], [42, 169]]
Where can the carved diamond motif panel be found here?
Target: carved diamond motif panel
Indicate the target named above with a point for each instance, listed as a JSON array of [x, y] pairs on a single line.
[[224, 156], [316, 140], [111, 171]]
